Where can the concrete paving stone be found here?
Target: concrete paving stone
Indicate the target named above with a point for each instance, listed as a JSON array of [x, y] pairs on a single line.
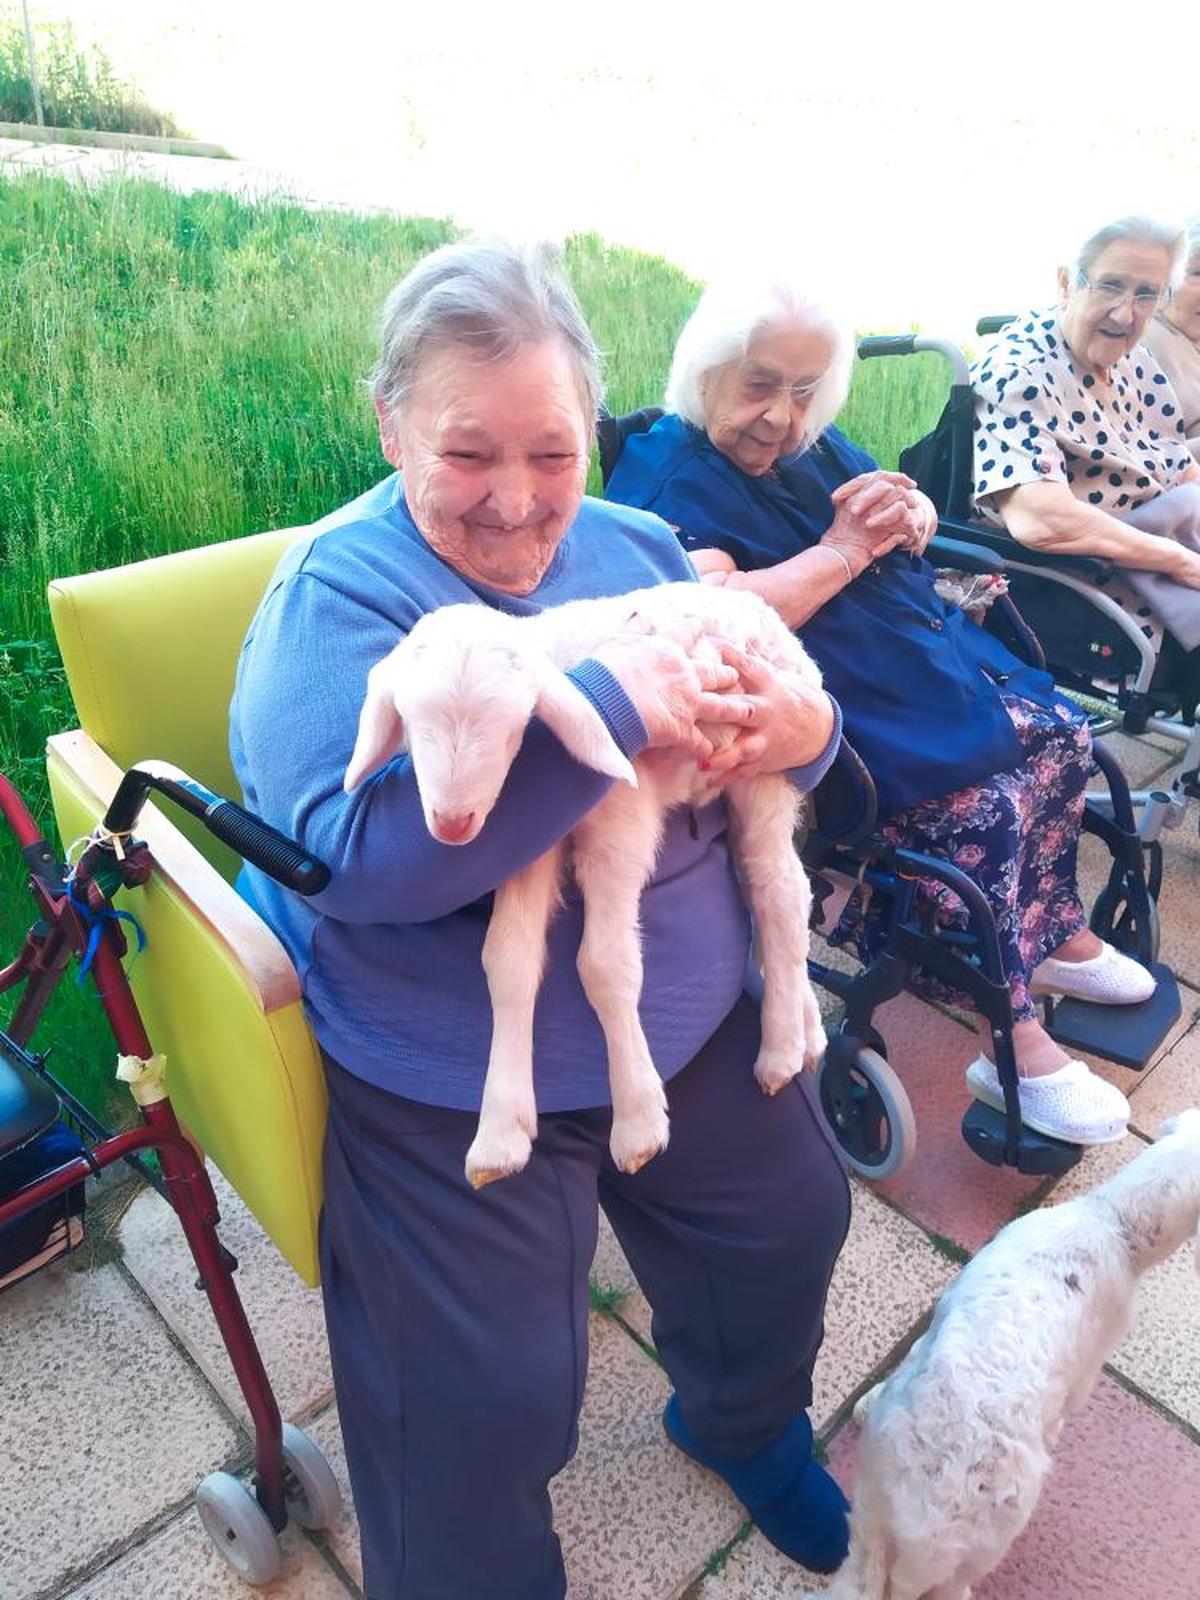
[[887, 1278], [1171, 1085], [1142, 759], [1117, 1515], [182, 1563], [1161, 1353], [104, 1424], [611, 1270], [636, 1518], [286, 1317], [946, 1188]]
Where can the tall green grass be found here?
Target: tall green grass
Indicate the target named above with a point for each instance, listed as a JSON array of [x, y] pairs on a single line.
[[176, 370], [80, 87]]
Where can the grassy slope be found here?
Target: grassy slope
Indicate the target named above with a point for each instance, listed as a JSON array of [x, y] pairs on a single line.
[[176, 370]]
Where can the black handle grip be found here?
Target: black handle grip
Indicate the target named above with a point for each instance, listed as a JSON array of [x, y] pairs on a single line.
[[278, 856], [987, 325], [886, 344]]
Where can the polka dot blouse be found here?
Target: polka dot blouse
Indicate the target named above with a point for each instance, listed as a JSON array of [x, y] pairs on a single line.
[[1040, 420]]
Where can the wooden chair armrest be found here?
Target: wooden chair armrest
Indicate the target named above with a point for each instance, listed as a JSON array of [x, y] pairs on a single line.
[[251, 945]]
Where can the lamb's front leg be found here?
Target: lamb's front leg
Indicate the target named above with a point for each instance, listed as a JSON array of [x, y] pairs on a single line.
[[514, 953], [613, 861], [762, 815]]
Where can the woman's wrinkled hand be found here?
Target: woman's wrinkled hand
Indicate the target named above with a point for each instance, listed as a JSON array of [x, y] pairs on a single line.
[[878, 512], [711, 563], [675, 685], [790, 724]]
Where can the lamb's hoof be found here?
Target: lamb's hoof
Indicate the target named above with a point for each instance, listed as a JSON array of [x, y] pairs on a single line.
[[774, 1068], [815, 1042], [497, 1154], [864, 1404], [635, 1139]]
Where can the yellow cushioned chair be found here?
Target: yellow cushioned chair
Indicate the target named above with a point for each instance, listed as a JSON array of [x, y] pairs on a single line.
[[150, 651]]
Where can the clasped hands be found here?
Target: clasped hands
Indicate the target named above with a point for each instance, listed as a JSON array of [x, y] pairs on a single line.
[[684, 680]]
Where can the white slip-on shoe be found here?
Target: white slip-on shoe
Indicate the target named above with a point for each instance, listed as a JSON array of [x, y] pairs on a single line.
[[1109, 979], [1071, 1103]]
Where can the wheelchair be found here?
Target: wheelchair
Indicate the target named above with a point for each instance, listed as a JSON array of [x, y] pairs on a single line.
[[1092, 646], [862, 1097], [43, 1214]]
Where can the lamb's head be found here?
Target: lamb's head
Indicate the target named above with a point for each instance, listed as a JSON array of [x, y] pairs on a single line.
[[457, 694]]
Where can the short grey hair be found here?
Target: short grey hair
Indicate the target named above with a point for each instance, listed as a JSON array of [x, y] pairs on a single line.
[[1168, 236], [728, 316], [1193, 241], [492, 298]]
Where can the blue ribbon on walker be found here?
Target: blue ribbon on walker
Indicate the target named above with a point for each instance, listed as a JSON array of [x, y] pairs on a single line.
[[95, 921]]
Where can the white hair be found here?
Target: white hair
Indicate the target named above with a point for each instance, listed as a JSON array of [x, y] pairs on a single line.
[[721, 328], [1193, 241], [492, 298], [1168, 236]]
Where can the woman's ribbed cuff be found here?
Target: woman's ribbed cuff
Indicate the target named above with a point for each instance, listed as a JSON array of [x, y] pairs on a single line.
[[807, 777], [618, 712]]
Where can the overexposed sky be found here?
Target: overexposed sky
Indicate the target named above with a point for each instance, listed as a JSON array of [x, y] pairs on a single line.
[[931, 161]]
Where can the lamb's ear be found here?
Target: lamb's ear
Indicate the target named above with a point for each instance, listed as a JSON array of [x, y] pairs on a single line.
[[380, 731], [569, 714]]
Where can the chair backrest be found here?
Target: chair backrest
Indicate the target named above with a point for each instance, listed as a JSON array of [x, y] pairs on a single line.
[[612, 432], [151, 650]]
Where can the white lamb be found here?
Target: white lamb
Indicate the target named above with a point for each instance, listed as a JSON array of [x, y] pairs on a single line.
[[458, 693], [956, 1443]]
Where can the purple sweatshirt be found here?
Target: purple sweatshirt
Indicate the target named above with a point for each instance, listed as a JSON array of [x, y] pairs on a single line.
[[389, 955]]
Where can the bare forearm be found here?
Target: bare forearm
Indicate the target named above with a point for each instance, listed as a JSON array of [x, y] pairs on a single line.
[[800, 586], [1071, 528]]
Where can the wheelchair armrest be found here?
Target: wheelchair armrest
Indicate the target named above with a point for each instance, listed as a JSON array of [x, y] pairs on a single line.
[[251, 946], [1090, 569], [967, 557]]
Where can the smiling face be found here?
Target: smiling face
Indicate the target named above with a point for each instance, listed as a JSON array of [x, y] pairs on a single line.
[[1101, 320], [494, 457], [755, 408], [1184, 310]]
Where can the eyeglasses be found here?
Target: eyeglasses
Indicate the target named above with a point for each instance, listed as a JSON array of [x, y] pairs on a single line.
[[760, 386], [1111, 293]]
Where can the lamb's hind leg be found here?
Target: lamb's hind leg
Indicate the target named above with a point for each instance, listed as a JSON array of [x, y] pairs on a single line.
[[514, 953], [612, 864], [762, 814]]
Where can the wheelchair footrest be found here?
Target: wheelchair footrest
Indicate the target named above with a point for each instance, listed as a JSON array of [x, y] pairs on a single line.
[[1128, 1035], [1038, 1155]]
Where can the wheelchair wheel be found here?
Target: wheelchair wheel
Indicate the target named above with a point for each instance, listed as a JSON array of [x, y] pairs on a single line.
[[868, 1110], [239, 1527], [310, 1489]]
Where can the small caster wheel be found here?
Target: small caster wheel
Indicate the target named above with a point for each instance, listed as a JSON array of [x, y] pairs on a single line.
[[310, 1490], [239, 1527], [870, 1113]]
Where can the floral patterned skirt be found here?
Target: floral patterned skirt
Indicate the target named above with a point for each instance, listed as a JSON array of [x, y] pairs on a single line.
[[1016, 835]]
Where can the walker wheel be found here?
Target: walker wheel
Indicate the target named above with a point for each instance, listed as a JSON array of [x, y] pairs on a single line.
[[310, 1490], [239, 1527], [869, 1112]]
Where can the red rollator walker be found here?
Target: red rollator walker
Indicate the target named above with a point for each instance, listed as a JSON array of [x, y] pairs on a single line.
[[76, 921]]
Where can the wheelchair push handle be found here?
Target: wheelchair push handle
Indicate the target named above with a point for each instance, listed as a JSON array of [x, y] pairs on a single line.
[[886, 344], [254, 840]]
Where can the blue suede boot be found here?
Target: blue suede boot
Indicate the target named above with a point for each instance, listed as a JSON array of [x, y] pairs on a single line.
[[791, 1499]]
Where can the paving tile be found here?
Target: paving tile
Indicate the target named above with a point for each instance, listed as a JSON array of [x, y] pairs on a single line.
[[104, 1424], [946, 1188], [182, 1563], [610, 1270], [1142, 759], [1161, 1353], [887, 1277], [636, 1518], [1170, 1086], [287, 1318], [1117, 1515]]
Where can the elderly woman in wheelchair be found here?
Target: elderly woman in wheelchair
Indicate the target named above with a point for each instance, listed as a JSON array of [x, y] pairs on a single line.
[[1080, 441], [977, 759]]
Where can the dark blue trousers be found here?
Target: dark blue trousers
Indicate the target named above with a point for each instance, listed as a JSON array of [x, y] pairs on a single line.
[[458, 1320]]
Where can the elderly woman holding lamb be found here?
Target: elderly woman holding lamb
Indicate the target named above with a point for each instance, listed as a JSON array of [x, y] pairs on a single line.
[[458, 1319], [974, 754]]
